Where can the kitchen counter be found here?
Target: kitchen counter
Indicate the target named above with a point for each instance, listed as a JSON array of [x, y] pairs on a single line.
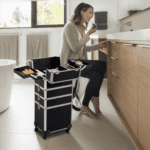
[[131, 42], [135, 37]]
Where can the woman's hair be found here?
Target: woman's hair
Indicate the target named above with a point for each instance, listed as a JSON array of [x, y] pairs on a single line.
[[77, 13]]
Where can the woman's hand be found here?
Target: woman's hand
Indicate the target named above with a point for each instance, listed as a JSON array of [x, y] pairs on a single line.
[[103, 44], [92, 30]]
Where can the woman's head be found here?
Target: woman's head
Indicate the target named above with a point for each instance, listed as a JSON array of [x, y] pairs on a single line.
[[83, 13]]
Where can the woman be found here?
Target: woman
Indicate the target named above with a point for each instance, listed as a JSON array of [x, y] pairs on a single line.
[[74, 47]]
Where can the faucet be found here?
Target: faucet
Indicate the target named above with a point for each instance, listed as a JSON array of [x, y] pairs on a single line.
[[128, 23]]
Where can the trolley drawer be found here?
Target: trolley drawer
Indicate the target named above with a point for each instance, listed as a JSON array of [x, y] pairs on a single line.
[[53, 101], [53, 92], [46, 85]]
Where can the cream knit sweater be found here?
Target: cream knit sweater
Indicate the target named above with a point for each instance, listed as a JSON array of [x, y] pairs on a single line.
[[72, 45]]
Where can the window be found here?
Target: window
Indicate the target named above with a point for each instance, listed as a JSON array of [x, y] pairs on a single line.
[[35, 14]]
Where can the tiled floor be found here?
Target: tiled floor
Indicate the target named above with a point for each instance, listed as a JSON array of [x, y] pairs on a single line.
[[17, 126]]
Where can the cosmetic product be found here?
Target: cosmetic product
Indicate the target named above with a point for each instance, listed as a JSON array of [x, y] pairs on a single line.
[[93, 24]]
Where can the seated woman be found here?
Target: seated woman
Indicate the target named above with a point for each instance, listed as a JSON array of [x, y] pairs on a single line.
[[74, 47]]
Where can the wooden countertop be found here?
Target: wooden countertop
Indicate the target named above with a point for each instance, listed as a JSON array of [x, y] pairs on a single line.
[[131, 42]]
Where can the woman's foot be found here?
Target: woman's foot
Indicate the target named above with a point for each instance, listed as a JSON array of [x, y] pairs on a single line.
[[95, 101], [89, 112]]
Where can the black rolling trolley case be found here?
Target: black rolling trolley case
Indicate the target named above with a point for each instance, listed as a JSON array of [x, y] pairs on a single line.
[[53, 93]]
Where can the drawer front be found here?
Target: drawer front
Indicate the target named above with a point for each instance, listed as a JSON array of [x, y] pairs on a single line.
[[114, 86], [46, 85], [115, 66], [128, 54], [123, 69], [115, 50], [59, 92], [128, 73], [53, 102], [53, 93]]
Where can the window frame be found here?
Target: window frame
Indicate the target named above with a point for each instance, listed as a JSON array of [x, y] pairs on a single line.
[[34, 18]]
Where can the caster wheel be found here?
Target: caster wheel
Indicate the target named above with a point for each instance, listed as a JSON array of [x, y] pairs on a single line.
[[44, 135], [67, 130], [36, 129]]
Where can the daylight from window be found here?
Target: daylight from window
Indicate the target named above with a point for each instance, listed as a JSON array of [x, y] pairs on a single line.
[[18, 14], [15, 14], [50, 12]]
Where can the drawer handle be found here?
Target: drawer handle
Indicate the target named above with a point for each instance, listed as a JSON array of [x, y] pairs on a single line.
[[113, 42], [144, 46], [127, 44], [113, 57], [114, 74]]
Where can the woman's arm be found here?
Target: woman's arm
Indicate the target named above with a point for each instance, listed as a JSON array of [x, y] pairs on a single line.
[[92, 48], [96, 46], [72, 38]]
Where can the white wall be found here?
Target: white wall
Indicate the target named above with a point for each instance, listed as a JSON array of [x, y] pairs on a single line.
[[54, 42]]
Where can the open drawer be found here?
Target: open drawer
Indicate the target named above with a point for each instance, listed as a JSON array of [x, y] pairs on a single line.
[[27, 72]]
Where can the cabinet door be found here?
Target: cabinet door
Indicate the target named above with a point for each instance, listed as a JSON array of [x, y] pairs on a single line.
[[128, 81], [127, 103], [134, 4], [143, 4], [115, 88], [128, 60], [144, 96], [123, 7]]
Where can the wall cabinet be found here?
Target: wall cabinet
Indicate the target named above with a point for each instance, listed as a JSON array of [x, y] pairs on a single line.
[[143, 4], [128, 67], [134, 4], [125, 5]]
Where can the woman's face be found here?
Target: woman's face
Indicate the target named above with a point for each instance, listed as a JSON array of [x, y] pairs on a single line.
[[87, 15]]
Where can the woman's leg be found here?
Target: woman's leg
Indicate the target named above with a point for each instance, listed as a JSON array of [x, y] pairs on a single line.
[[93, 87], [95, 72]]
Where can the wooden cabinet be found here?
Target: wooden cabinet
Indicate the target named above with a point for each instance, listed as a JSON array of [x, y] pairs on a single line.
[[134, 5], [123, 73], [143, 65], [128, 67]]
